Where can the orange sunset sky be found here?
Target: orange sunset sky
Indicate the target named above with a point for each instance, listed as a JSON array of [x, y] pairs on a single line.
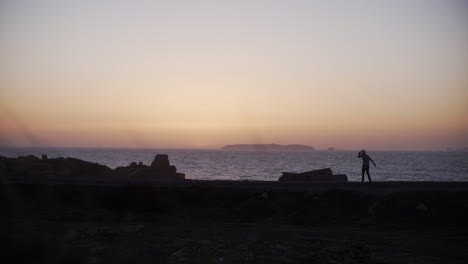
[[389, 75]]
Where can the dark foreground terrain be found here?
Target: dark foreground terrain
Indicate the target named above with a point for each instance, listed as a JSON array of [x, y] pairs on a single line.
[[86, 221]]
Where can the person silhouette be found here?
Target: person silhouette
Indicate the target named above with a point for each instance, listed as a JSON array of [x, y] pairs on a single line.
[[365, 164]]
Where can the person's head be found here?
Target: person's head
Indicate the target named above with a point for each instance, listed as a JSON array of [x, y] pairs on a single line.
[[363, 152]]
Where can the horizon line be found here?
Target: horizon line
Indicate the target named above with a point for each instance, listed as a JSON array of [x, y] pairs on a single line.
[[220, 148]]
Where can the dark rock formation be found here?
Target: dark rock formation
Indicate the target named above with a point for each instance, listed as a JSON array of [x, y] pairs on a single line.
[[58, 167], [323, 175], [331, 148], [160, 168], [32, 166], [161, 161]]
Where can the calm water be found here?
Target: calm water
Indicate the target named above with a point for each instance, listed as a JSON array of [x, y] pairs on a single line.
[[253, 165]]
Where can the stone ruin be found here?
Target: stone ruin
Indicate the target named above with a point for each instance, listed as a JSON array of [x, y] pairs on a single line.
[[322, 175]]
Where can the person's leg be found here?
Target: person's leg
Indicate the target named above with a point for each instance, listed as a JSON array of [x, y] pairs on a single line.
[[368, 175], [363, 170]]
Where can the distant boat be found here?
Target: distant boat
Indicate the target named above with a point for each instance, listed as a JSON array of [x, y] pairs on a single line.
[[268, 147]]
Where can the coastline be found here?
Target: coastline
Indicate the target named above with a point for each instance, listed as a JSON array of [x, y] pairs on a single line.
[[379, 187], [193, 221]]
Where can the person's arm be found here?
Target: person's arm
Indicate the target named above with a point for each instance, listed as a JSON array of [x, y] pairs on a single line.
[[372, 161]]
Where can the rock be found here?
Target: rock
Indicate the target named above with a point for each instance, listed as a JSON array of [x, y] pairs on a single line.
[[160, 169], [322, 175], [179, 176], [32, 166], [340, 177], [161, 161], [331, 149], [75, 167], [318, 173], [29, 157]]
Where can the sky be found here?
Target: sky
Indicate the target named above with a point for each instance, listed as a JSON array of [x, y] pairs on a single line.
[[382, 75]]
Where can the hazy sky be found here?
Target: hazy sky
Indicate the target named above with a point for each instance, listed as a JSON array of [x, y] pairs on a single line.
[[202, 74]]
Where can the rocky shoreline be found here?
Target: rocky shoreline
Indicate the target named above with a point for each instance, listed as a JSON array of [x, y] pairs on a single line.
[[72, 168], [56, 219]]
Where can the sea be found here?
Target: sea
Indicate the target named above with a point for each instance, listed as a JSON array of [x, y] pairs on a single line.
[[268, 165]]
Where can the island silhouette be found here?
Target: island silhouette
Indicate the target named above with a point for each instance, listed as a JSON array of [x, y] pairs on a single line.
[[268, 147]]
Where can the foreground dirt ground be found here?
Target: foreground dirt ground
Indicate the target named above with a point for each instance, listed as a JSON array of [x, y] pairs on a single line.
[[143, 242], [222, 223]]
